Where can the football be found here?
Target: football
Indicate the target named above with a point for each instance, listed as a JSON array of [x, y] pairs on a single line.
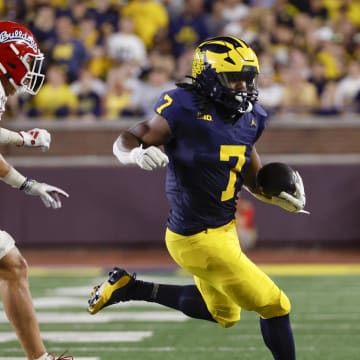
[[275, 177]]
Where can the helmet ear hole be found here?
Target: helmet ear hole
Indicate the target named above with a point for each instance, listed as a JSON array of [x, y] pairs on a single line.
[[11, 65]]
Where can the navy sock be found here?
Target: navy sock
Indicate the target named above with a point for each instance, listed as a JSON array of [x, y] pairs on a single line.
[[186, 298], [278, 337], [140, 290]]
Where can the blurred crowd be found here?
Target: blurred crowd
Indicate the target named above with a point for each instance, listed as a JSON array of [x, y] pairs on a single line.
[[112, 59]]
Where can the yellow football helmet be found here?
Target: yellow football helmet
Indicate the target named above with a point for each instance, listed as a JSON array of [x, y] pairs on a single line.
[[221, 61], [227, 55]]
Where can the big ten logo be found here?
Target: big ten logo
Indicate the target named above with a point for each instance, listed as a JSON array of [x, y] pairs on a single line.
[[206, 117]]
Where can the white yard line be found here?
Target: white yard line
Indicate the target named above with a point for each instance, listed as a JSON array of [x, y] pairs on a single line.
[[85, 336], [86, 289], [74, 302], [104, 317]]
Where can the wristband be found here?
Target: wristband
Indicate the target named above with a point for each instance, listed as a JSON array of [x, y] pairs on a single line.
[[26, 185], [125, 157], [14, 179]]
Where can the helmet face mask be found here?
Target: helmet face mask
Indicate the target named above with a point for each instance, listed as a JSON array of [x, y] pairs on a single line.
[[236, 69], [249, 77], [33, 79], [21, 60]]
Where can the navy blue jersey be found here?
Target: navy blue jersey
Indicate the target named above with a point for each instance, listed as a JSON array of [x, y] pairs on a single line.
[[206, 161]]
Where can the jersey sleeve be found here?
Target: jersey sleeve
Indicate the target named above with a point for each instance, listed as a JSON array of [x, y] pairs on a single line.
[[170, 106]]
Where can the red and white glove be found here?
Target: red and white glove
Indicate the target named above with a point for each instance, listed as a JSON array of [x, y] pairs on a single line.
[[40, 138]]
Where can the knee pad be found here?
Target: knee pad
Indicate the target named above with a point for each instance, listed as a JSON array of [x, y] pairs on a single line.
[[6, 243], [279, 308], [226, 324], [226, 317]]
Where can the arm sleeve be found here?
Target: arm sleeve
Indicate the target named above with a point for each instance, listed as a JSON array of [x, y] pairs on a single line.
[[9, 137], [14, 178]]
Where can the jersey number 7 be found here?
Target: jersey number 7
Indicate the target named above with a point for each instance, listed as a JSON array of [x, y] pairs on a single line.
[[227, 151]]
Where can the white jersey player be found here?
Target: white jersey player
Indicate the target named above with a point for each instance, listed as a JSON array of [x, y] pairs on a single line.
[[20, 70]]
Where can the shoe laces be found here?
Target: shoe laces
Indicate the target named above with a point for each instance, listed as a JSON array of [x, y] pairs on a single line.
[[95, 295]]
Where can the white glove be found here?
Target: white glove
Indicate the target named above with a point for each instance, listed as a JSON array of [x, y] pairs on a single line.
[[48, 194], [289, 202], [36, 138], [149, 158]]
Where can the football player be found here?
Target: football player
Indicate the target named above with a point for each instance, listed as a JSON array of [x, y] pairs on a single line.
[[20, 71], [208, 128]]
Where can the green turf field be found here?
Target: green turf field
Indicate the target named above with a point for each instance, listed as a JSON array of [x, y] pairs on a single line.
[[325, 320]]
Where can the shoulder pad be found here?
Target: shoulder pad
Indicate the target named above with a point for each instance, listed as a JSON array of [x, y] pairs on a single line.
[[185, 98], [260, 110]]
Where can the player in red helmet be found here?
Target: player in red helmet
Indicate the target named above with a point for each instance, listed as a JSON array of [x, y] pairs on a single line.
[[20, 71], [21, 59]]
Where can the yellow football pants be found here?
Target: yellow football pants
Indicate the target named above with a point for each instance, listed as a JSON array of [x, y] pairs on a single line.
[[227, 279]]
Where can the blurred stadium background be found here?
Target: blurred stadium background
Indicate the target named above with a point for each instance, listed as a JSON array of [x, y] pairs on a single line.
[[104, 59]]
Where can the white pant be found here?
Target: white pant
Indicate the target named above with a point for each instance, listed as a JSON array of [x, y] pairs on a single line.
[[6, 243]]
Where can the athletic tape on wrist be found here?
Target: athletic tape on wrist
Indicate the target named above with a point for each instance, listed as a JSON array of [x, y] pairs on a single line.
[[10, 137], [14, 178], [125, 157]]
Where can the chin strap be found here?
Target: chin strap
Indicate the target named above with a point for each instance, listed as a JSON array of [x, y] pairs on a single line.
[[246, 100], [249, 107]]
